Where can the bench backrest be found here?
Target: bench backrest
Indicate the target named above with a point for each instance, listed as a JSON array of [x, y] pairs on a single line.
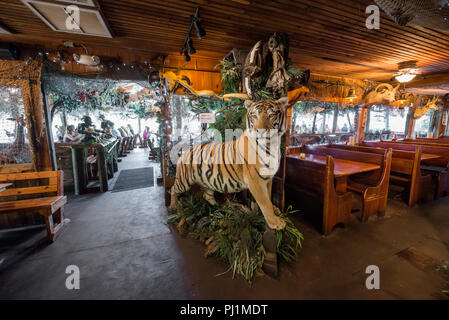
[[351, 155], [406, 160], [442, 151], [41, 183], [431, 142]]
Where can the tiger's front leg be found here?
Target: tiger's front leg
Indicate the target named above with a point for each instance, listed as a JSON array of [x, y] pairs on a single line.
[[259, 190]]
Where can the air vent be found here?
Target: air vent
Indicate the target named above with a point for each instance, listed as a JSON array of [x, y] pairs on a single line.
[[89, 3], [63, 17]]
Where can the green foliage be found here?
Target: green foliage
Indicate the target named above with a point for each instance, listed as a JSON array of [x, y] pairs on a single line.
[[230, 76], [293, 71], [232, 118], [260, 91], [444, 267], [289, 239], [233, 234]]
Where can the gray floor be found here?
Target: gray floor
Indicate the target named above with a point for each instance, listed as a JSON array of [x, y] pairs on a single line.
[[125, 250]]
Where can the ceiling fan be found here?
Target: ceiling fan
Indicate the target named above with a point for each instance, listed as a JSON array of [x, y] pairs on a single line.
[[432, 14]]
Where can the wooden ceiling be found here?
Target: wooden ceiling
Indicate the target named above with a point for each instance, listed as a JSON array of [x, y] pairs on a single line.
[[328, 37]]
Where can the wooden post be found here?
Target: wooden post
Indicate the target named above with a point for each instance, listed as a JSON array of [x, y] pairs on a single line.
[[102, 169], [411, 124], [48, 127], [79, 170], [335, 122], [442, 126], [361, 123]]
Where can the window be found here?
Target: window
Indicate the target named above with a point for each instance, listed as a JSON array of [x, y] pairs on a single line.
[[385, 122], [423, 125], [321, 122], [14, 144]]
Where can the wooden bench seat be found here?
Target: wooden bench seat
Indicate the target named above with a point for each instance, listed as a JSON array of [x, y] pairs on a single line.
[[373, 186], [54, 203], [47, 197], [310, 187], [406, 169]]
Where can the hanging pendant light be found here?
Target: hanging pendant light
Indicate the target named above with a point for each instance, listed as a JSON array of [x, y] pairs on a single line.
[[402, 99], [351, 95]]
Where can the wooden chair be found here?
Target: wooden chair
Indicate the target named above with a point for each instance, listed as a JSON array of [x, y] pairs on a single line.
[[437, 168], [406, 170], [375, 195], [309, 183], [44, 192], [373, 186]]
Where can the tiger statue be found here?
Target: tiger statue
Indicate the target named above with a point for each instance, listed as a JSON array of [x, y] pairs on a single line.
[[240, 164]]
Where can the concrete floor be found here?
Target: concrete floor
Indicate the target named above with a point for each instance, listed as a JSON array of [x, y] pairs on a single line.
[[125, 250]]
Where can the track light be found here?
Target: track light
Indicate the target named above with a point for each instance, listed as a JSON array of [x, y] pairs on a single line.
[[191, 50], [186, 56], [200, 32], [187, 48]]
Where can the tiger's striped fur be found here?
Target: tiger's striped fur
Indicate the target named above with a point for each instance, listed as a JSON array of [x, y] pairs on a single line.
[[237, 165]]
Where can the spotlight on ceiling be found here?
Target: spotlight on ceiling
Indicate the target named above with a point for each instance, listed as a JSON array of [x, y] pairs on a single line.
[[407, 71], [200, 32], [186, 56], [191, 50]]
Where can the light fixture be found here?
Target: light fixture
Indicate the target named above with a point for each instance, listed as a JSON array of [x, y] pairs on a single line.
[[200, 32], [351, 95], [402, 98], [186, 55], [407, 71], [187, 48], [86, 60], [191, 50]]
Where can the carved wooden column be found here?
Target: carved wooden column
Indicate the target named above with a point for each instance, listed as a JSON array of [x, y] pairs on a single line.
[[411, 124], [442, 125], [361, 123]]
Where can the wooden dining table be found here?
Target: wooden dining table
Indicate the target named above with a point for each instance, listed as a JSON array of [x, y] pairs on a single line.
[[342, 168], [3, 186]]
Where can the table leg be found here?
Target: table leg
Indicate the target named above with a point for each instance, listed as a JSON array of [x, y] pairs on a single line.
[[341, 184]]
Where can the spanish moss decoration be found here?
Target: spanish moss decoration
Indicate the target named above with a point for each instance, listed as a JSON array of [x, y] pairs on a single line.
[[233, 233]]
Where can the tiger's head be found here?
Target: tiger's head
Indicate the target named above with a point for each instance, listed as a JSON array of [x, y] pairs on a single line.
[[267, 115]]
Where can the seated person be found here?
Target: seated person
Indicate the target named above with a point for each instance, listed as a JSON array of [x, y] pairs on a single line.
[[114, 132], [71, 135], [131, 130]]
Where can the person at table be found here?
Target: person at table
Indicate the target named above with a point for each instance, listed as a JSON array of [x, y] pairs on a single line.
[[114, 132], [105, 124], [71, 136], [303, 128], [345, 128], [296, 130]]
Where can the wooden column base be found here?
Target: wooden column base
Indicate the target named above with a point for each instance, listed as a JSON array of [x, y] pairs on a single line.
[[270, 264]]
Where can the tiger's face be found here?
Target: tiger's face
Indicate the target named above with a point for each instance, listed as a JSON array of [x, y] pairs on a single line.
[[267, 115]]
